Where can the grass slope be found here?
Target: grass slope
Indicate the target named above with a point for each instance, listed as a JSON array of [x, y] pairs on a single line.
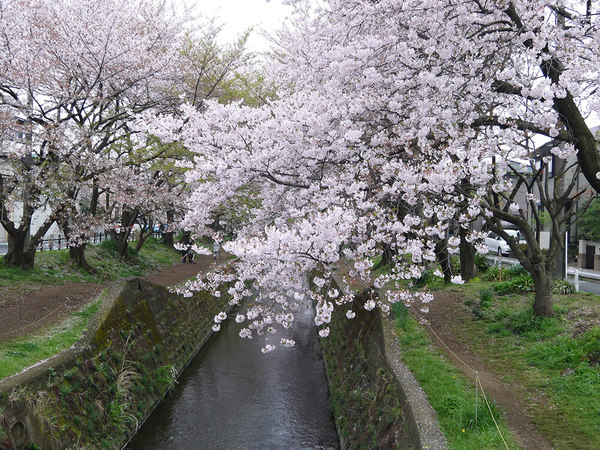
[[465, 421], [53, 268], [553, 363]]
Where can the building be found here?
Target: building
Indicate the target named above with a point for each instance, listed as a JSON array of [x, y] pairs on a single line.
[[555, 164]]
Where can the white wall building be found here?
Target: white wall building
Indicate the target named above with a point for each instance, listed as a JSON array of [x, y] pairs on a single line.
[[16, 142]]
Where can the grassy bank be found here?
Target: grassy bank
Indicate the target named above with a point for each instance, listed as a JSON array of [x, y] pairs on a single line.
[[466, 423], [553, 364], [97, 398], [53, 267], [20, 353]]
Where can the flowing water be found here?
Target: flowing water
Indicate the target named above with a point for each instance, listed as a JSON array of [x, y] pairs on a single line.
[[232, 396]]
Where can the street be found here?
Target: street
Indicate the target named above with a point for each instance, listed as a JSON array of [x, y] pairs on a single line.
[[588, 286]]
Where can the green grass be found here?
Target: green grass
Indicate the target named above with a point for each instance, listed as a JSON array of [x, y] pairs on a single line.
[[450, 393], [54, 267], [552, 364], [20, 353], [429, 279]]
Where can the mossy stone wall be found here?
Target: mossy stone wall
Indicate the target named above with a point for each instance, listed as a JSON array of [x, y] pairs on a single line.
[[97, 393], [376, 402]]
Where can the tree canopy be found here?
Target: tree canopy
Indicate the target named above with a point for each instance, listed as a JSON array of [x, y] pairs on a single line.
[[384, 112]]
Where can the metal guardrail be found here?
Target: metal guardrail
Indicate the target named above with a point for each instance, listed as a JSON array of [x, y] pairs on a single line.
[[60, 242], [583, 273]]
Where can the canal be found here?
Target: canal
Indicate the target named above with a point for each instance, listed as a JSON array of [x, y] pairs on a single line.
[[232, 396]]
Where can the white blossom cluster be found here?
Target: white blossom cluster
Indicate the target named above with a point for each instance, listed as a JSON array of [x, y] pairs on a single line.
[[379, 137]]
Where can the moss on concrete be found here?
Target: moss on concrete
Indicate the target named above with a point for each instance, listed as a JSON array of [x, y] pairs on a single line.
[[364, 392], [376, 401], [97, 393]]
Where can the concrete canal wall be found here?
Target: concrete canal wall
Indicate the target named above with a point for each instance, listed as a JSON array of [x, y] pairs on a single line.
[[97, 393], [377, 402]]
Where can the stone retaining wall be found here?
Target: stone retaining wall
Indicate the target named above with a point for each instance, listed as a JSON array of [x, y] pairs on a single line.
[[97, 393], [377, 401]]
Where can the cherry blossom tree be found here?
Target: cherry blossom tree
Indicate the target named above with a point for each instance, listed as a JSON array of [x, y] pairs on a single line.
[[75, 73], [384, 111], [330, 177], [509, 70], [211, 67], [557, 197]]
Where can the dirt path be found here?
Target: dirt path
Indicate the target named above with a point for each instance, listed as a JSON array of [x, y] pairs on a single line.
[[47, 305], [37, 308], [449, 305]]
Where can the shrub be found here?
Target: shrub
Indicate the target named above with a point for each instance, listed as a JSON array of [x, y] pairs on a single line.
[[477, 312], [486, 298], [482, 264], [522, 283], [455, 261], [525, 322], [514, 271], [428, 278], [426, 275], [560, 286], [109, 246], [492, 274]]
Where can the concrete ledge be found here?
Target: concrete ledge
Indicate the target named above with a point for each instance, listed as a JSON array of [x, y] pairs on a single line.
[[420, 428], [423, 424]]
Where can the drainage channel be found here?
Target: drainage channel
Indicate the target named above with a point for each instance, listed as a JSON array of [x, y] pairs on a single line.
[[234, 396]]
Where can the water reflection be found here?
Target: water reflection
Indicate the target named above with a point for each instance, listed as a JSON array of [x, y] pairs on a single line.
[[234, 397]]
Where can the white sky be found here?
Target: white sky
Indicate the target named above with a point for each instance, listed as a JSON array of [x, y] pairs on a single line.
[[239, 15]]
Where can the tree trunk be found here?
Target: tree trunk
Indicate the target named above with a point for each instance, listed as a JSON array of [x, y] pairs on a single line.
[[122, 242], [185, 238], [543, 303], [386, 257], [29, 258], [128, 218], [17, 254], [169, 236], [467, 257], [441, 251], [140, 242], [77, 256], [143, 237]]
